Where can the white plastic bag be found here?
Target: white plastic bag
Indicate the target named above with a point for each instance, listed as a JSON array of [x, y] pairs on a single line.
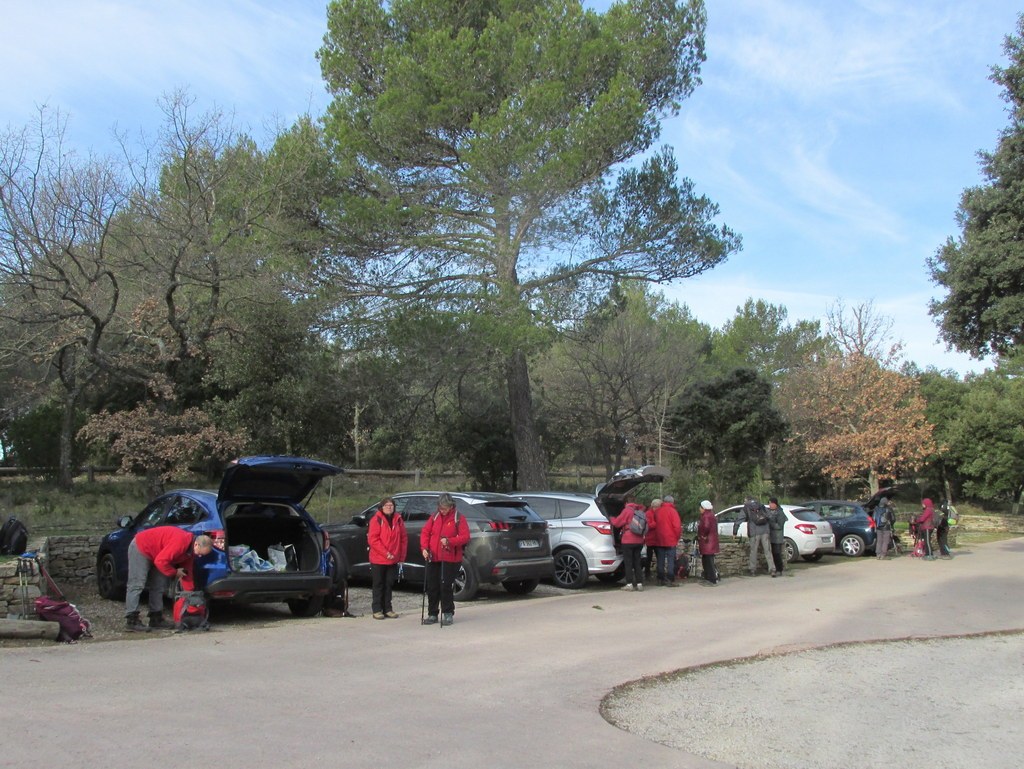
[[278, 557]]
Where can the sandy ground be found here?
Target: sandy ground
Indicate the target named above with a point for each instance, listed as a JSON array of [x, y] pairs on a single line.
[[905, 704]]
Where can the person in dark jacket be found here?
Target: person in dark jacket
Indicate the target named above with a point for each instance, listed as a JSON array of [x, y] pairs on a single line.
[[925, 523], [442, 541], [388, 542], [776, 534], [757, 533], [707, 542], [884, 521], [941, 519], [155, 557], [633, 543]]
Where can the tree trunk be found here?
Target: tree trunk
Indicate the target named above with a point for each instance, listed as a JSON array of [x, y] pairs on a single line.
[[65, 471], [531, 465]]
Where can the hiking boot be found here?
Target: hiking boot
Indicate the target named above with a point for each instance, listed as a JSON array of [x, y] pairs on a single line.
[[157, 621], [430, 620], [447, 619], [378, 615], [133, 624], [391, 615]]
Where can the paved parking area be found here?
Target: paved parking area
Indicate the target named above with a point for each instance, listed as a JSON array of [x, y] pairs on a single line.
[[517, 682]]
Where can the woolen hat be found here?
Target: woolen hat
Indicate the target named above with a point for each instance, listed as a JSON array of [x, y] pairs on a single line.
[[706, 505]]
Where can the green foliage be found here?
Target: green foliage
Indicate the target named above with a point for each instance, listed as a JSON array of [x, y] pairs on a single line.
[[988, 437], [34, 438], [983, 269], [760, 337], [725, 425]]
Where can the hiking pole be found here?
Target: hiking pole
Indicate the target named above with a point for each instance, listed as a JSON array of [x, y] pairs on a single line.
[[423, 602], [441, 606]]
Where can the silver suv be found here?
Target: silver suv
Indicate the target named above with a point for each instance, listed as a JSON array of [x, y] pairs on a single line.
[[583, 541]]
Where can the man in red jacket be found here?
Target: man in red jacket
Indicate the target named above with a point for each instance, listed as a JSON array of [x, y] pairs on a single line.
[[441, 541], [155, 557], [666, 535]]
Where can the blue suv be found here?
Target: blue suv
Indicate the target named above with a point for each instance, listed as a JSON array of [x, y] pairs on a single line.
[[260, 505], [851, 523]]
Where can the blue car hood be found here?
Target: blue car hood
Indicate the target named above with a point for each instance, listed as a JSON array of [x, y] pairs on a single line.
[[272, 479]]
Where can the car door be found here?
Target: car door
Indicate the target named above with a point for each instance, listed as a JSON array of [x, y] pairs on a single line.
[[727, 519]]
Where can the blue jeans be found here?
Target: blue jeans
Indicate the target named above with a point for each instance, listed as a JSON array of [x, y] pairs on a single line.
[[666, 563]]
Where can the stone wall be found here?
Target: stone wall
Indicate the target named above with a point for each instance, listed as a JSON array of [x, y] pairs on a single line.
[[70, 560]]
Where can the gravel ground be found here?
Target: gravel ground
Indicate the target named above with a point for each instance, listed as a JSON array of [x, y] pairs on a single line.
[[912, 704]]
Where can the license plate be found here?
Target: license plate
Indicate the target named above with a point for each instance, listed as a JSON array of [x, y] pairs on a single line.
[[526, 543]]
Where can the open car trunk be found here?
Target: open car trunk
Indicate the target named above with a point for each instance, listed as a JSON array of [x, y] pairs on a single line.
[[258, 527]]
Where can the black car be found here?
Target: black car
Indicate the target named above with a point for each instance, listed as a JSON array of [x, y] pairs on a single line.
[[851, 523], [259, 507], [508, 542]]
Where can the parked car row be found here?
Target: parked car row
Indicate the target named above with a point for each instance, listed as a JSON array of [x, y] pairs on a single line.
[[516, 540]]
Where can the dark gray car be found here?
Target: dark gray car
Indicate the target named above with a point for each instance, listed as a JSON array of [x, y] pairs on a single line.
[[508, 541]]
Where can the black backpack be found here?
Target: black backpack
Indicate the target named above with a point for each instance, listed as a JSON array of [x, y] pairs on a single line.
[[13, 537], [759, 515]]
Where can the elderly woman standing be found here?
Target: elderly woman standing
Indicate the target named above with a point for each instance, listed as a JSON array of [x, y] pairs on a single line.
[[707, 542], [388, 542]]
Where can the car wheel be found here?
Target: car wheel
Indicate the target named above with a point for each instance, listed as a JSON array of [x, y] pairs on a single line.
[[852, 545], [521, 586], [306, 607], [106, 579], [789, 550], [611, 577], [812, 557], [466, 583], [570, 569]]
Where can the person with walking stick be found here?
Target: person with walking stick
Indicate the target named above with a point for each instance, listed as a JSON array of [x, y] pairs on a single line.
[[442, 541]]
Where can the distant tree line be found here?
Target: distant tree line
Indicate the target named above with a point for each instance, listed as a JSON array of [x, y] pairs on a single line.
[[455, 268]]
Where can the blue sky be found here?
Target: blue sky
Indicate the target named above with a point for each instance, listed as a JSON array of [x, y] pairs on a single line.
[[835, 137]]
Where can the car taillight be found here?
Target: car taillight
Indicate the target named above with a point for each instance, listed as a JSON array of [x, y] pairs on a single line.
[[603, 527], [806, 528], [499, 526]]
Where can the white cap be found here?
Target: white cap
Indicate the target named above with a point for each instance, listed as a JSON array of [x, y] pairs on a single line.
[[706, 505]]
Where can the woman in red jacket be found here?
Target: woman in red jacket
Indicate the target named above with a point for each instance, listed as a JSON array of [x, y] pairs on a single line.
[[925, 523], [633, 542], [442, 540], [388, 543]]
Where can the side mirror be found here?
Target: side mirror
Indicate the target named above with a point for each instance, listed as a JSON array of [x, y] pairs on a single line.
[[124, 521]]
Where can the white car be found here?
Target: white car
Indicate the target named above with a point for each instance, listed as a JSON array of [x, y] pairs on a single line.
[[807, 534], [583, 541]]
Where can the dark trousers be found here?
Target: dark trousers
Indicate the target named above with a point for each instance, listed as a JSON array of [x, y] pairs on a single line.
[[926, 539], [441, 587], [666, 557], [709, 567], [777, 556], [632, 562], [383, 580], [942, 538]]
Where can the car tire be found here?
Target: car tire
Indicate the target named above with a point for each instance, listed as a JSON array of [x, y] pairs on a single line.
[[813, 557], [466, 583], [107, 584], [571, 570], [852, 545], [789, 550], [520, 586]]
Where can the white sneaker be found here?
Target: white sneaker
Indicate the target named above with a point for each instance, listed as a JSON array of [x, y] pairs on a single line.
[[640, 587], [628, 587]]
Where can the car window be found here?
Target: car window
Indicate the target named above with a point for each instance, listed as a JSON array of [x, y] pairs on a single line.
[[505, 511], [417, 508], [184, 512], [836, 511], [545, 507], [730, 516], [573, 509], [805, 514], [153, 515]]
